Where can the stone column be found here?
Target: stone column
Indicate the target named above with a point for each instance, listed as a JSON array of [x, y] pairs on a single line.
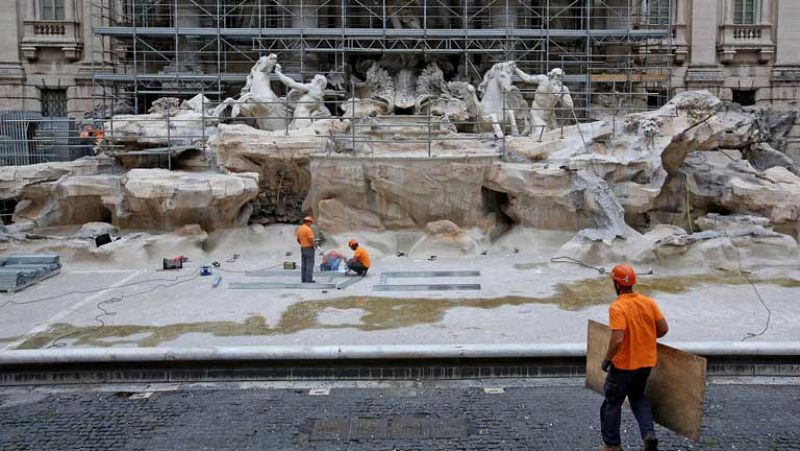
[[11, 72], [305, 16], [503, 17], [787, 57], [704, 70], [681, 41]]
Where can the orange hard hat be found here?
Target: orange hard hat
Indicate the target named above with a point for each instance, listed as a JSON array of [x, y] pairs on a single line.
[[624, 275], [308, 219], [352, 243]]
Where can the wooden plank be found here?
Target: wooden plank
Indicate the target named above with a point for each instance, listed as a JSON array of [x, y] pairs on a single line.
[[620, 78], [676, 387], [428, 287]]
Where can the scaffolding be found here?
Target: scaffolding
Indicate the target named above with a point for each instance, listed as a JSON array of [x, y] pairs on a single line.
[[616, 53]]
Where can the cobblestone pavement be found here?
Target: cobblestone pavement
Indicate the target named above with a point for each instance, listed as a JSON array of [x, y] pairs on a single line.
[[529, 415]]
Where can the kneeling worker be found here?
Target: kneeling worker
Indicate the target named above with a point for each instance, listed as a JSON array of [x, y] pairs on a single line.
[[636, 322], [305, 238], [360, 261]]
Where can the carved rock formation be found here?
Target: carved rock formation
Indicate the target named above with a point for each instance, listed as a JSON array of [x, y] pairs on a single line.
[[83, 191], [163, 200]]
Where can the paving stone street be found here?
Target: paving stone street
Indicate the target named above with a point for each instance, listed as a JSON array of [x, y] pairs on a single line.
[[499, 414]]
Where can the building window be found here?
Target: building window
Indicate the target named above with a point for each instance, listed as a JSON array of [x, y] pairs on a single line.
[[745, 12], [54, 102], [51, 9], [658, 12], [744, 97]]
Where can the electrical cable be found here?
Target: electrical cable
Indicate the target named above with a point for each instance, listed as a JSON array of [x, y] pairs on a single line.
[[575, 261], [750, 335], [242, 271], [117, 299], [89, 291]]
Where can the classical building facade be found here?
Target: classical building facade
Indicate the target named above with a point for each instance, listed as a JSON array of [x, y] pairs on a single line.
[[743, 50], [45, 57]]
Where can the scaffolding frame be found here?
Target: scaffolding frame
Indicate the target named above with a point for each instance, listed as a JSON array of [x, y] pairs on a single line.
[[144, 49]]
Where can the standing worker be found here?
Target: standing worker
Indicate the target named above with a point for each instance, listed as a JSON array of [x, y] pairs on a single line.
[[360, 261], [636, 322], [305, 238]]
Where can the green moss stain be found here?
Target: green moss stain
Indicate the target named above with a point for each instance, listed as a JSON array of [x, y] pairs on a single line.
[[9, 339], [380, 313]]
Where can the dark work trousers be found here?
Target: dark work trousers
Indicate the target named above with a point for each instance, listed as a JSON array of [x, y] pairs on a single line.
[[357, 267], [620, 384], [307, 264]]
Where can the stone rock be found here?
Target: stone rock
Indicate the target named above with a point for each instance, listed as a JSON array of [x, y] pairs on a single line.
[[14, 180], [715, 221], [763, 156], [445, 244], [396, 193], [52, 194], [93, 229], [443, 227], [163, 200], [723, 181], [282, 163], [190, 230], [165, 127], [670, 246]]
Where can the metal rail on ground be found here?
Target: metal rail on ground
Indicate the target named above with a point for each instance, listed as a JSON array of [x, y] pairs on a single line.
[[359, 362]]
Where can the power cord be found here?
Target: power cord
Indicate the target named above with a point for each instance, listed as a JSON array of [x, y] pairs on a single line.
[[90, 291], [575, 261], [116, 299], [750, 335], [242, 271]]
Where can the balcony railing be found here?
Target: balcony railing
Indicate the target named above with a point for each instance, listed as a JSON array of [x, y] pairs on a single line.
[[62, 34], [49, 28], [738, 38]]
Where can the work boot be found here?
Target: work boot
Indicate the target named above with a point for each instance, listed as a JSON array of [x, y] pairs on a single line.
[[605, 447], [650, 443]]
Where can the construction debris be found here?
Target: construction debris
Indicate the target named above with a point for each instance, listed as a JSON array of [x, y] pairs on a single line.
[[20, 271]]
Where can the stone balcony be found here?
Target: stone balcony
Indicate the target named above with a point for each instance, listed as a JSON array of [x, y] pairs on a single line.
[[746, 38], [60, 34]]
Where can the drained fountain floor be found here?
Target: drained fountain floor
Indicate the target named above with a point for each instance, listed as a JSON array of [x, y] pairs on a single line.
[[517, 306]]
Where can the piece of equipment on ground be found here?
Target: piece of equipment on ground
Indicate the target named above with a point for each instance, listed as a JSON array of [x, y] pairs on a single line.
[[20, 271]]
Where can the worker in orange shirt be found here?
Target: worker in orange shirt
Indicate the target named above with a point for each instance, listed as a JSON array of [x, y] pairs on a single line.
[[307, 242], [636, 322], [360, 261]]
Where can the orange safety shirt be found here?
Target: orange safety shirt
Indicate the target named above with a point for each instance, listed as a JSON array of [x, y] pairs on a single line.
[[361, 256], [637, 315], [305, 236]]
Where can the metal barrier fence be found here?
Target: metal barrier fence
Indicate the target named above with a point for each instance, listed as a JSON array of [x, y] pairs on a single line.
[[28, 138]]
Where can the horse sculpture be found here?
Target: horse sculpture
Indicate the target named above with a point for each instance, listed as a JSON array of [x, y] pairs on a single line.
[[257, 100], [502, 105]]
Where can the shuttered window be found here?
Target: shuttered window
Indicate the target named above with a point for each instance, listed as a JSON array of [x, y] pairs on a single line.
[[51, 9], [745, 12], [658, 12], [54, 102]]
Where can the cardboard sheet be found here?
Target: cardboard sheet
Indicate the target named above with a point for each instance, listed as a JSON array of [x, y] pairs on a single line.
[[676, 387]]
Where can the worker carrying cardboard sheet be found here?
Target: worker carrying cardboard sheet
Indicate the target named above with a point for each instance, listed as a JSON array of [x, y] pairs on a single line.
[[636, 322]]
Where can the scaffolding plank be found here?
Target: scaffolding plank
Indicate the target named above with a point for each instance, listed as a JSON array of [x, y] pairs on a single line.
[[605, 78], [280, 286], [382, 33], [428, 287], [291, 272], [349, 282], [420, 274]]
